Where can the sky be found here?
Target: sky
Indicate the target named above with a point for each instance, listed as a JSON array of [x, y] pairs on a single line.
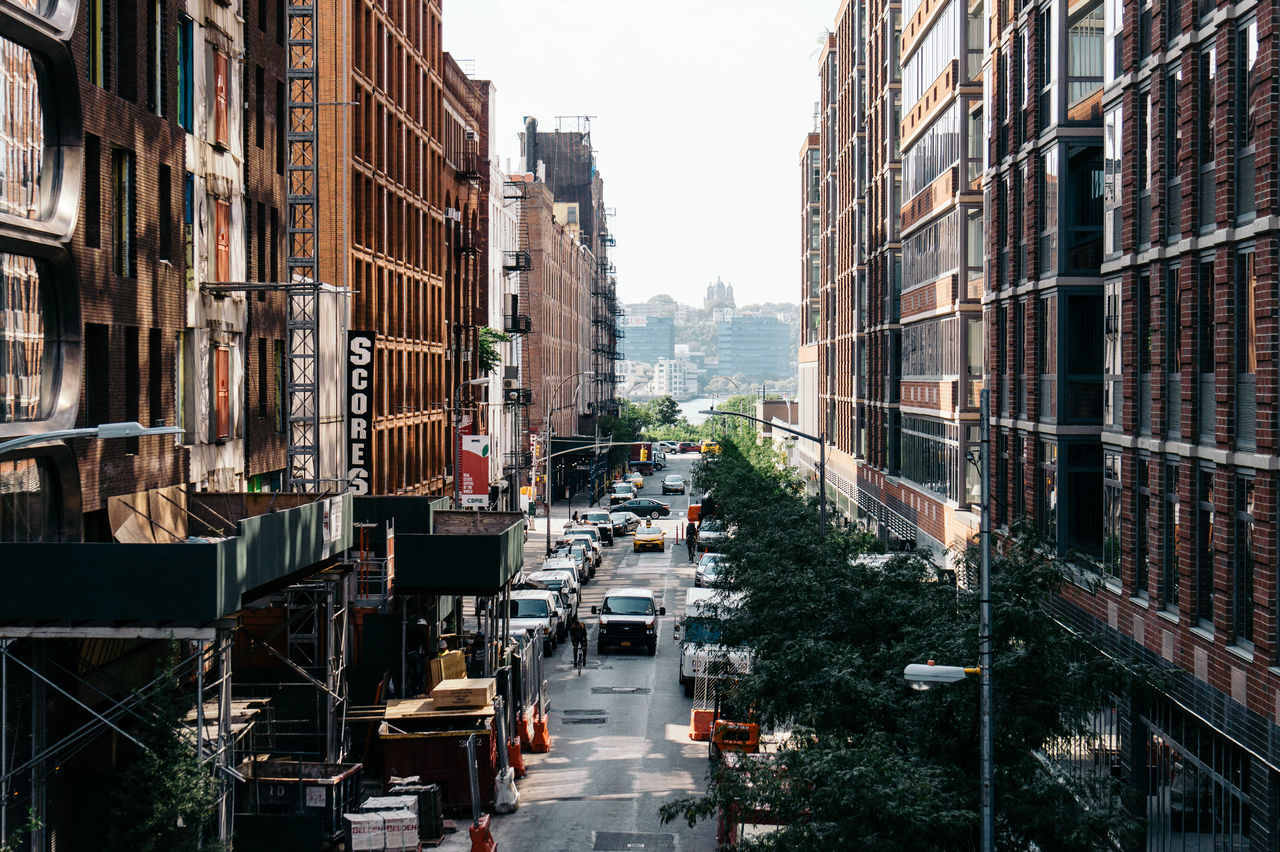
[[701, 108]]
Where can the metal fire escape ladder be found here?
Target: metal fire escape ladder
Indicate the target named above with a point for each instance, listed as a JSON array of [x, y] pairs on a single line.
[[303, 322]]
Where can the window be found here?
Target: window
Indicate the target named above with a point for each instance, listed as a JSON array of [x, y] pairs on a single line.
[[259, 105], [1018, 494], [155, 56], [132, 384], [188, 224], [1113, 168], [164, 225], [1246, 346], [280, 127], [1206, 334], [1141, 517], [1173, 152], [1112, 534], [1170, 539], [97, 374], [262, 242], [1046, 56], [123, 212], [932, 251], [155, 376], [1250, 101], [1143, 150], [24, 357], [92, 191], [1082, 209], [1047, 212], [220, 420], [1113, 52], [97, 31], [221, 100], [1207, 109], [1047, 355], [933, 152], [930, 455], [1242, 575], [932, 55], [278, 372], [1084, 62], [264, 385], [222, 240], [1020, 357], [1173, 349], [1047, 492], [186, 63], [30, 501], [1203, 565], [274, 246]]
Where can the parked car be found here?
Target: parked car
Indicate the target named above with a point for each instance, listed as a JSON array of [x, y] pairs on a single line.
[[621, 492], [710, 447], [647, 507], [629, 520], [687, 447], [649, 536], [601, 520], [707, 571], [593, 535], [577, 554], [628, 618], [564, 584], [593, 551], [532, 609], [712, 534], [673, 484]]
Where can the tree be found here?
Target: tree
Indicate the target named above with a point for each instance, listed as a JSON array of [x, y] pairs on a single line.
[[164, 796], [871, 763], [663, 411], [488, 340]]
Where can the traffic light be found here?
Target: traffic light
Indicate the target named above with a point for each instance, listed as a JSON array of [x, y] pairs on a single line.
[[644, 454]]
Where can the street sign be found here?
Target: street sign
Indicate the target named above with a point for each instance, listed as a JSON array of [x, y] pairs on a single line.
[[475, 471]]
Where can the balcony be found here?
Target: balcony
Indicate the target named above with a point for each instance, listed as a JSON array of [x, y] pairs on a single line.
[[517, 324], [185, 563], [517, 261]]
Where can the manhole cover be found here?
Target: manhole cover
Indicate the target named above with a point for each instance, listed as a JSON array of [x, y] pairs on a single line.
[[620, 690], [621, 841]]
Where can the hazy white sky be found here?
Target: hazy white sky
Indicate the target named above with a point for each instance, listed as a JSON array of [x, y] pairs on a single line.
[[701, 108]]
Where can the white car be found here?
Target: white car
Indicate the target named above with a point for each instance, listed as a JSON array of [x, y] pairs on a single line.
[[591, 543], [707, 572], [534, 609], [565, 582]]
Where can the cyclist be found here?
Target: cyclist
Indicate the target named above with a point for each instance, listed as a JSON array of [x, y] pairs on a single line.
[[578, 635]]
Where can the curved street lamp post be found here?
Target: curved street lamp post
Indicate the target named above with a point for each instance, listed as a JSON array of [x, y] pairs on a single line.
[[547, 453]]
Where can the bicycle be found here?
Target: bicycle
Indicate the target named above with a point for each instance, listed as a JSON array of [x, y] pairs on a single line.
[[579, 657]]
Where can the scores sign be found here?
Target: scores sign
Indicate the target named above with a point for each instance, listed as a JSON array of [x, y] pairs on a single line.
[[359, 410], [475, 470]]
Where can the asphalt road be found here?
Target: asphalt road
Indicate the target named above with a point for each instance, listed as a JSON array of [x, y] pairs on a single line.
[[619, 730]]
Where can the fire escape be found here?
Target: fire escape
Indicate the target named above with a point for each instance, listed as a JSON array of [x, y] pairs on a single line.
[[516, 397]]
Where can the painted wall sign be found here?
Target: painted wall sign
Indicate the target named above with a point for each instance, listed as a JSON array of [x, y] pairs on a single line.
[[359, 410]]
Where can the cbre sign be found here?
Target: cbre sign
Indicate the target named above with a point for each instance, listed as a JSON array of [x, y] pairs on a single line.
[[475, 470], [359, 410]]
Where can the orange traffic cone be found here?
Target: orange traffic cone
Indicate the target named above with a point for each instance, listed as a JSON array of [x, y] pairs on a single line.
[[541, 738], [516, 759], [481, 839]]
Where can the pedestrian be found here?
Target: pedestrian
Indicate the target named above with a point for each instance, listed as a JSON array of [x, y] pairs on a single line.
[[575, 517], [691, 538]]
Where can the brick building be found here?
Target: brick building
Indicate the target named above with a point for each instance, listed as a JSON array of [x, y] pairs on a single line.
[[383, 160]]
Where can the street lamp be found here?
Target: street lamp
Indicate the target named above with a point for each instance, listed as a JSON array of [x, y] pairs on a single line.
[[822, 459], [547, 453], [924, 676], [457, 437], [102, 432]]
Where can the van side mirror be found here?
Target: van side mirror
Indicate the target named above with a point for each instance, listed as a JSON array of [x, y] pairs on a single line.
[[662, 610], [595, 610]]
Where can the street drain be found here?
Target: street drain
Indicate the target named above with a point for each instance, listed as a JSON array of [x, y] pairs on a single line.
[[621, 841], [583, 712], [584, 720], [620, 690]]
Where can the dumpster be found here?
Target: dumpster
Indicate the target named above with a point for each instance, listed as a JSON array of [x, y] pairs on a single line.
[[418, 739], [310, 796]]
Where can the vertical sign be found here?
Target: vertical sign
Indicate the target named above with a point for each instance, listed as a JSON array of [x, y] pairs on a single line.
[[359, 409], [475, 470]]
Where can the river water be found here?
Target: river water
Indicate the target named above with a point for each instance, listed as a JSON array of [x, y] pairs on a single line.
[[691, 408]]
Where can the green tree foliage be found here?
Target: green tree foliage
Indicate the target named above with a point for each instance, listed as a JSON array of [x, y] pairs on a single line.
[[663, 411], [870, 763], [488, 340], [164, 796]]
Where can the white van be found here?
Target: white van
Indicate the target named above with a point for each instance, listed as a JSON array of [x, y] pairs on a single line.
[[534, 609], [698, 633]]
